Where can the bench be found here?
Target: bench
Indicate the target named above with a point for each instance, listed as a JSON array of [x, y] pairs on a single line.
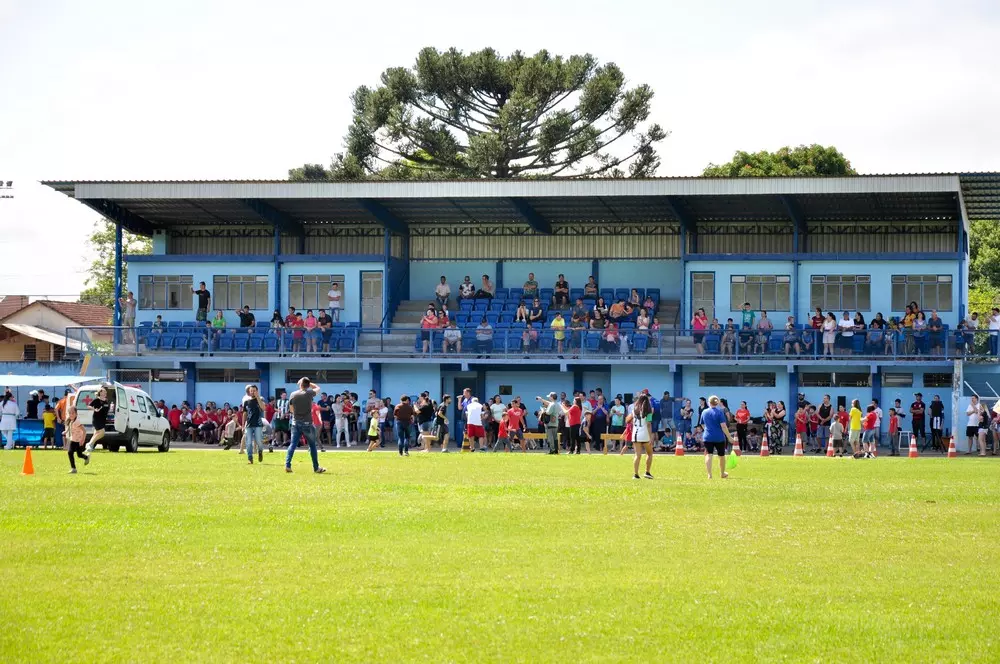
[[534, 435], [606, 437]]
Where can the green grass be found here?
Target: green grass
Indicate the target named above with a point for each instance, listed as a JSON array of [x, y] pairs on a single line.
[[194, 556]]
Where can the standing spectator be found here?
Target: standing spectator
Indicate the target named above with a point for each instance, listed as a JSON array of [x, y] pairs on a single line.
[[825, 415], [475, 432], [937, 424], [277, 322], [558, 326], [486, 288], [128, 315], [549, 419], [9, 412], [174, 418], [204, 300], [531, 286], [698, 326], [742, 425], [312, 334], [894, 432], [995, 332], [817, 319], [324, 326], [617, 416], [335, 298], [442, 292], [466, 289], [667, 412], [749, 317], [829, 334], [325, 406], [917, 410], [300, 403], [428, 324], [855, 428], [936, 329], [846, 328], [765, 327], [868, 437], [247, 319], [973, 412], [560, 295]]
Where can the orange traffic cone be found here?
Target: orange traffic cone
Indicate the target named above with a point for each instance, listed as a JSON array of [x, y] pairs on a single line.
[[764, 449], [798, 446], [952, 452], [829, 447], [736, 447], [679, 446], [29, 467], [913, 447]]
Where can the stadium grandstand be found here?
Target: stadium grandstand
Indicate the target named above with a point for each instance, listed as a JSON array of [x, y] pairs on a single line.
[[655, 251]]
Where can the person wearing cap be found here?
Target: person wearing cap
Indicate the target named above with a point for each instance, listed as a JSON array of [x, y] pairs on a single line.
[[550, 418], [917, 409], [937, 423], [717, 435]]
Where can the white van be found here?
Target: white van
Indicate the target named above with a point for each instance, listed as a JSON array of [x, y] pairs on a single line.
[[133, 419]]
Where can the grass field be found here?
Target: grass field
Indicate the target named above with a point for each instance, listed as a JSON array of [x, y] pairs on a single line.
[[195, 556]]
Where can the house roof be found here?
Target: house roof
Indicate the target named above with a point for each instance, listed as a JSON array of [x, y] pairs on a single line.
[[86, 315], [12, 303]]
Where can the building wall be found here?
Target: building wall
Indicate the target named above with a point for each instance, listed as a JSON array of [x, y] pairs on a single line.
[[12, 349], [664, 274], [410, 379], [756, 398], [515, 273], [724, 270], [425, 275], [528, 385], [361, 386], [351, 298]]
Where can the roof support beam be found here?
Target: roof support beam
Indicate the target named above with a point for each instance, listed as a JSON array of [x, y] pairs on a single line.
[[795, 213], [272, 215], [689, 225], [131, 221], [389, 221], [537, 222]]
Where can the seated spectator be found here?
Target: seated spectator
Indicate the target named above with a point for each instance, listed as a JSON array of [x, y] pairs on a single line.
[[590, 289], [486, 289], [246, 317], [648, 304], [859, 322], [610, 341], [746, 339], [219, 322], [876, 334], [428, 323], [760, 341], [531, 286], [597, 322], [600, 307], [808, 341], [535, 314], [617, 312], [466, 289], [452, 339], [522, 313], [765, 326], [558, 326], [158, 324], [560, 295], [728, 338], [276, 321], [633, 299], [529, 339], [715, 327], [442, 292], [792, 339], [579, 309], [443, 316], [324, 323], [642, 322], [208, 337], [484, 336]]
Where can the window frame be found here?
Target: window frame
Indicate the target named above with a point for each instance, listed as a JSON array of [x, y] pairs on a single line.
[[760, 281], [920, 282], [739, 379], [303, 301], [322, 376], [837, 282], [222, 285], [935, 385], [897, 379], [149, 298], [228, 375]]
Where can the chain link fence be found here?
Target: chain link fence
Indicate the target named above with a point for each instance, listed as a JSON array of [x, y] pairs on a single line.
[[140, 378]]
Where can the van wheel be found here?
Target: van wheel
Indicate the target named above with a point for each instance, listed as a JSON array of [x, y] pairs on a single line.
[[112, 447], [132, 446], [165, 444]]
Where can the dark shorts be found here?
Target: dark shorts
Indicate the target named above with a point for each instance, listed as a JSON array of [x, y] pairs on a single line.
[[971, 432], [202, 315], [698, 338], [281, 425], [719, 449], [425, 335]]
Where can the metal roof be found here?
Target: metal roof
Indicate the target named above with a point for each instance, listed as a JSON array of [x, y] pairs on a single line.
[[144, 206]]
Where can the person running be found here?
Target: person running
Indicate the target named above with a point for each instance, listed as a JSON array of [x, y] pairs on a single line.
[[503, 436], [642, 415], [855, 430], [716, 435], [253, 411], [868, 425], [76, 436], [441, 422], [515, 426], [373, 430], [300, 404], [403, 414], [101, 406]]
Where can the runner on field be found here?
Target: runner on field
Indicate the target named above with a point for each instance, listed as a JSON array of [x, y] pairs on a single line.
[[76, 436], [717, 435], [642, 416], [101, 406]]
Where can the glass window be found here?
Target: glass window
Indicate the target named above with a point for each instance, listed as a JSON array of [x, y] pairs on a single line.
[[142, 404], [897, 379], [763, 291], [231, 292], [228, 375], [815, 380], [165, 291], [322, 376], [841, 292], [735, 379], [851, 379], [942, 380], [309, 291], [930, 291]]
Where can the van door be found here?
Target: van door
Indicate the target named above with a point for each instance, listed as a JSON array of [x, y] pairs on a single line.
[[122, 408], [155, 425], [143, 422]]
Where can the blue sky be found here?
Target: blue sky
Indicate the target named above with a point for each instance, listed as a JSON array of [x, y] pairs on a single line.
[[116, 89]]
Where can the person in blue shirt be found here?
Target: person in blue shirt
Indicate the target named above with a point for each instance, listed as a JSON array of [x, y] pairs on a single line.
[[717, 435]]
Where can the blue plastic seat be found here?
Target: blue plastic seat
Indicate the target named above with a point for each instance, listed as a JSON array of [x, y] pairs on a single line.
[[418, 343], [858, 344], [627, 326], [271, 343], [481, 305], [653, 293], [493, 318], [621, 294], [642, 293], [345, 344], [224, 343], [776, 344], [608, 294], [153, 341], [506, 317], [639, 343], [546, 341], [466, 304], [256, 343], [545, 294], [713, 343], [516, 293], [181, 341], [175, 325], [354, 324], [190, 325], [496, 305], [502, 294], [575, 293], [462, 319], [167, 340], [593, 341]]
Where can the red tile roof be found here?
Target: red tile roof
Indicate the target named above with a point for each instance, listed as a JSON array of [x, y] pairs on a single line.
[[82, 314], [11, 304]]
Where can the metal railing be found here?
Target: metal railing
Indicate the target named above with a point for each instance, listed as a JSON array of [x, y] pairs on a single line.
[[504, 342]]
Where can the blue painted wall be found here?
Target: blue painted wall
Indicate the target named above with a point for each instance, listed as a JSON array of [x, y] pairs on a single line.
[[723, 271], [515, 273], [756, 398], [663, 274], [425, 275], [410, 379], [351, 298], [625, 379], [175, 393], [881, 285], [529, 385], [200, 272]]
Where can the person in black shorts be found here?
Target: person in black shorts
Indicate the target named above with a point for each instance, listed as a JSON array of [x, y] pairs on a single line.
[[717, 435], [917, 410], [100, 406]]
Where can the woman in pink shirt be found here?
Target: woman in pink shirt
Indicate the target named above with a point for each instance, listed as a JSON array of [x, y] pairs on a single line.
[[698, 324], [428, 323], [311, 336]]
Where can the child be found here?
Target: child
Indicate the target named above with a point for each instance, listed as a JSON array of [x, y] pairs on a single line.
[[699, 438], [854, 418], [868, 441], [837, 435], [802, 424], [49, 424], [229, 434], [503, 438], [77, 437], [373, 428], [753, 440], [893, 432], [814, 429]]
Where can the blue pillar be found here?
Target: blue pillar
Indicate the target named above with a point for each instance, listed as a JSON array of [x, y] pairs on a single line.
[[577, 379], [678, 390], [376, 368], [685, 288], [499, 275], [265, 379], [277, 269], [793, 391], [877, 387], [118, 273], [795, 290], [387, 276], [595, 270], [190, 377]]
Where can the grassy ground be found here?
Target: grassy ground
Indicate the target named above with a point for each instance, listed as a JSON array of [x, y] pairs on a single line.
[[194, 556]]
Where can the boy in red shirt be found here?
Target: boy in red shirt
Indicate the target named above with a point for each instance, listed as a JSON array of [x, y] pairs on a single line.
[[844, 417], [515, 422], [868, 437], [503, 439], [801, 423], [893, 431], [814, 428]]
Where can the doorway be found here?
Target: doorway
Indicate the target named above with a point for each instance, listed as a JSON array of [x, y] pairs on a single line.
[[371, 299], [702, 294]]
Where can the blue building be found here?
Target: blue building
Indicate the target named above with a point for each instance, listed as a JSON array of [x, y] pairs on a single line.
[[869, 244]]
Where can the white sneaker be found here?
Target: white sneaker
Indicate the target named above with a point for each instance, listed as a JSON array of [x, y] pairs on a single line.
[[88, 448], [72, 471]]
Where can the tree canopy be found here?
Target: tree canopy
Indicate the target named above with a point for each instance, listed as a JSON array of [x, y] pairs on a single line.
[[483, 115], [101, 271], [804, 160]]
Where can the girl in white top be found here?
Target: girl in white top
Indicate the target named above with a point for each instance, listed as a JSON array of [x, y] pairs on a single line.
[[340, 421], [9, 413], [829, 334]]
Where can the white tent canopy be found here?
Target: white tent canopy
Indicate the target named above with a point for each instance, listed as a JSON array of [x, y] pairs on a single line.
[[12, 380], [47, 336]]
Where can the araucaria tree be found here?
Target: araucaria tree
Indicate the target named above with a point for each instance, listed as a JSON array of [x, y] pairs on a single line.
[[482, 115]]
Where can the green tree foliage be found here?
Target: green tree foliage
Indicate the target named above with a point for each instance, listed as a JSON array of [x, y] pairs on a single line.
[[982, 298], [805, 160], [101, 272], [482, 115], [984, 253]]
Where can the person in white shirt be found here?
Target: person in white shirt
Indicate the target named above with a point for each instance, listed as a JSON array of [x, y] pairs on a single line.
[[995, 332], [442, 292], [335, 297], [846, 326], [9, 412], [878, 422], [474, 430], [974, 413]]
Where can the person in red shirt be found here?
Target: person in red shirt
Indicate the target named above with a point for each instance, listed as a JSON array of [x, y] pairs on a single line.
[[174, 417], [801, 423], [893, 431], [844, 417], [742, 424], [503, 435], [515, 425], [868, 435], [573, 416]]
